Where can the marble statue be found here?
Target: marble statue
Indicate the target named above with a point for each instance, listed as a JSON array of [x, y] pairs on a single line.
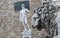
[[23, 17]]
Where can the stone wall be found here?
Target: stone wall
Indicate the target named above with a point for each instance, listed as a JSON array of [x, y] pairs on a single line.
[[10, 27]]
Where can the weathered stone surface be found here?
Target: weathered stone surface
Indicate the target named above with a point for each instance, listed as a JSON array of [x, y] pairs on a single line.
[[34, 4]]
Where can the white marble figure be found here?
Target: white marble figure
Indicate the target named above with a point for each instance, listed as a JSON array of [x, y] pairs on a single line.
[[23, 17]]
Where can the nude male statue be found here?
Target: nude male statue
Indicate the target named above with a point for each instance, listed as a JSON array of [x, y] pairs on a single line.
[[23, 17]]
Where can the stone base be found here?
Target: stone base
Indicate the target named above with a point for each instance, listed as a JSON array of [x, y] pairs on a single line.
[[27, 34]]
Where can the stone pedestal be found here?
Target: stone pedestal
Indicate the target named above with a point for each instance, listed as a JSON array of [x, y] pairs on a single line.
[[27, 34]]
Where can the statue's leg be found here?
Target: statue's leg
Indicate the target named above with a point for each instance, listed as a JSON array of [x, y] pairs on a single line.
[[26, 23]]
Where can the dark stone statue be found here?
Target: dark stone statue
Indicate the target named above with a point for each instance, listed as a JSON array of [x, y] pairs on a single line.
[[45, 18]]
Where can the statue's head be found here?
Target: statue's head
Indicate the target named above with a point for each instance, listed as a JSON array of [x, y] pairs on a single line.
[[36, 21], [34, 18], [22, 6]]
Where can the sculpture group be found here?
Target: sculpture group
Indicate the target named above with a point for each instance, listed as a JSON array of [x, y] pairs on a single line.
[[44, 17]]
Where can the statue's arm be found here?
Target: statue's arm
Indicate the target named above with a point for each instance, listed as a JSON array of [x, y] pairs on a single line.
[[20, 16], [27, 10]]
